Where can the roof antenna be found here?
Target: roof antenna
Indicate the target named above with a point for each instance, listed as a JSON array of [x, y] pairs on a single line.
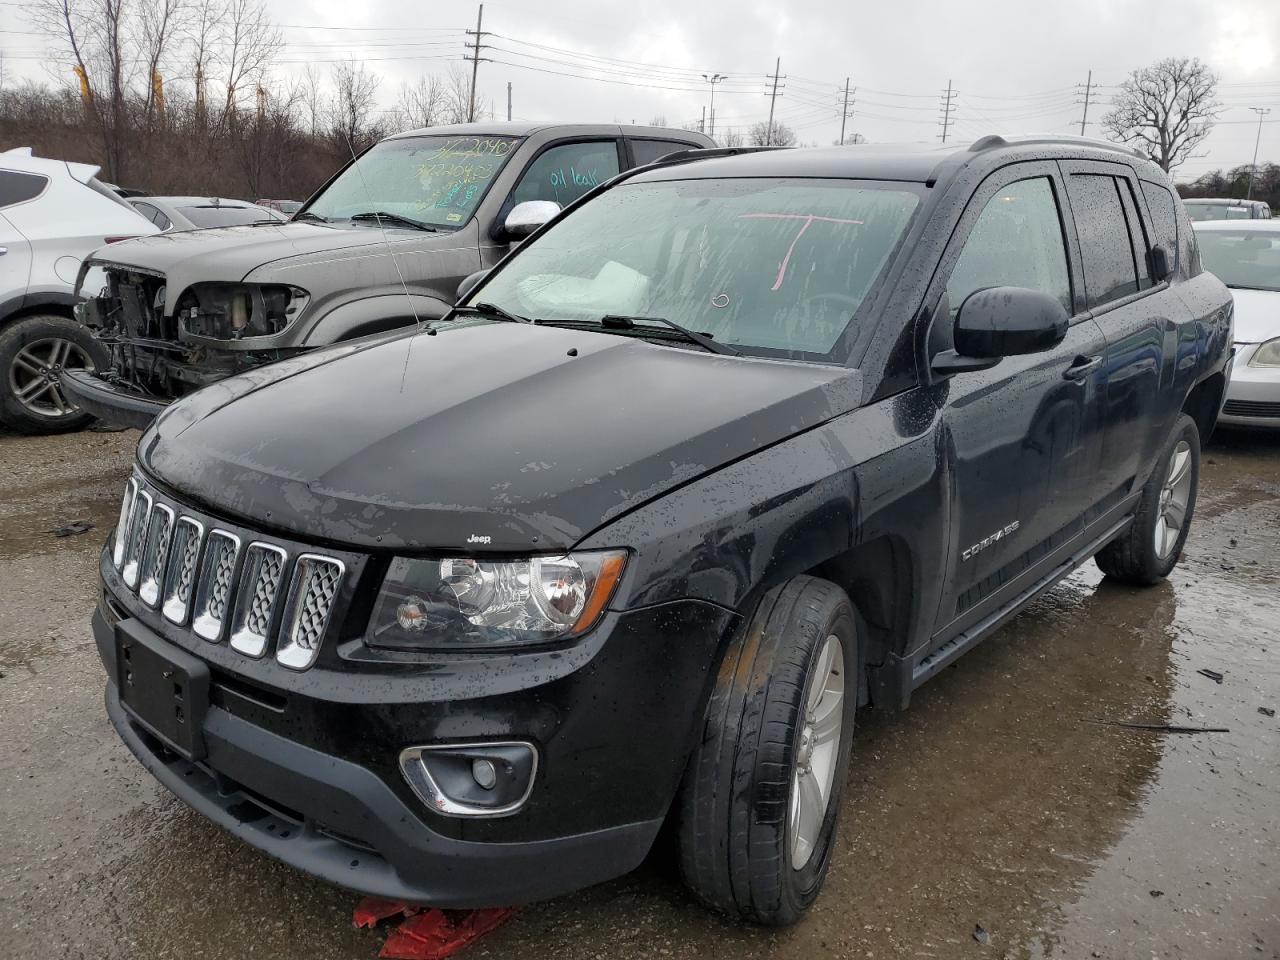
[[404, 372]]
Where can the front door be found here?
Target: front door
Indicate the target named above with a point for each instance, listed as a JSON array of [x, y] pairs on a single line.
[[1023, 436]]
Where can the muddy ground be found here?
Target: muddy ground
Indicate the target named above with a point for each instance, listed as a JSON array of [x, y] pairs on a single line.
[[996, 800]]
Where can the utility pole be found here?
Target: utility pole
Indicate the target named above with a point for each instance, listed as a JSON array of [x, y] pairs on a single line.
[[773, 98], [948, 106], [713, 79], [844, 114], [475, 61], [702, 124], [1253, 168], [1088, 91], [508, 101]]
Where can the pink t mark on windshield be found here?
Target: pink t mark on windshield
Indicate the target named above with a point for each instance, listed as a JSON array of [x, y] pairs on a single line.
[[808, 219]]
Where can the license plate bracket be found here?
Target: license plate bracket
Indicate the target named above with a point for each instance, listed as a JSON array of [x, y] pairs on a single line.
[[164, 689]]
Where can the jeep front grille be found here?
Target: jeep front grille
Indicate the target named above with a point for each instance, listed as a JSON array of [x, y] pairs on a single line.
[[207, 576]]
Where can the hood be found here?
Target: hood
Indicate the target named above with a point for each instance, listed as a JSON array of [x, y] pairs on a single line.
[[1257, 314], [488, 434]]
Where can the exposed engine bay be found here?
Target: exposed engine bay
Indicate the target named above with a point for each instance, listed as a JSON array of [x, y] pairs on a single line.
[[216, 330]]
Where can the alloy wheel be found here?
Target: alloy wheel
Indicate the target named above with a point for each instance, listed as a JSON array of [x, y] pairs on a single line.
[[1174, 496], [817, 752], [36, 371]]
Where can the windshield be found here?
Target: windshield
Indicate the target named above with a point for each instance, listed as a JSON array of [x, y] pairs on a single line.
[[438, 181], [1242, 258], [773, 267], [208, 215], [1216, 211]]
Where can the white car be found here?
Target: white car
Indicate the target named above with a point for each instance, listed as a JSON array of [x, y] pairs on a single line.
[[1245, 255], [52, 215]]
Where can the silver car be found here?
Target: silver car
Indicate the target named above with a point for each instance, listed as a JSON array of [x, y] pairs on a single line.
[[202, 213], [1245, 254]]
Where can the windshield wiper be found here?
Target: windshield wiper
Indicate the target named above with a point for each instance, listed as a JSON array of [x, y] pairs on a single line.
[[703, 340], [492, 311], [308, 215], [379, 216]]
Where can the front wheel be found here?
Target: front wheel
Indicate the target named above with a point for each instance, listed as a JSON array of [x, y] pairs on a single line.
[[34, 351], [1149, 550], [761, 797]]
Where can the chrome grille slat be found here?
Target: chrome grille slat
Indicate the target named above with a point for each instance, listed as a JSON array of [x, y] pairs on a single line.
[[207, 579], [155, 551], [256, 597], [180, 576], [122, 525], [315, 585], [213, 588], [137, 533]]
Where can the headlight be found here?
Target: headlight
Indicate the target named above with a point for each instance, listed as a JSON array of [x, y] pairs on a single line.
[[464, 603], [230, 311], [1267, 355]]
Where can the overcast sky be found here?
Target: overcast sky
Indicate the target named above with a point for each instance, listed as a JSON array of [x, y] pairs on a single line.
[[1017, 65]]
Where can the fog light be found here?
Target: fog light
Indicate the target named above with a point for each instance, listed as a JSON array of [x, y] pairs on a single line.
[[472, 779], [485, 773]]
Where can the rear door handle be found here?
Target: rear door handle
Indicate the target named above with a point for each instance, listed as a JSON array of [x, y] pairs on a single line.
[[1081, 367], [3, 251]]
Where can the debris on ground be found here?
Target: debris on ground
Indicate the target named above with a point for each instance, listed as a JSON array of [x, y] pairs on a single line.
[[1267, 711], [980, 934], [427, 933], [1213, 675], [1160, 727], [72, 529], [1157, 893]]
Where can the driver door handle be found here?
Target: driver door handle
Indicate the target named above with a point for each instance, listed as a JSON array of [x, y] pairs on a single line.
[[3, 251], [1081, 367]]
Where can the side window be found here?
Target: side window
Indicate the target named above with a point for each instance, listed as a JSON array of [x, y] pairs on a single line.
[[1109, 271], [1164, 218], [146, 209], [161, 221], [1015, 242], [647, 151], [19, 187], [1137, 233], [566, 172]]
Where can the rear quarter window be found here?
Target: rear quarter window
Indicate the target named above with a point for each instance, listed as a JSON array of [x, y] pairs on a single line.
[[18, 187], [1109, 269], [1164, 219], [647, 151]]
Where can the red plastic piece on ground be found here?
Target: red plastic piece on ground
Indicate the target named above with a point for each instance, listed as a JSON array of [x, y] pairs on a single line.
[[372, 910], [435, 934]]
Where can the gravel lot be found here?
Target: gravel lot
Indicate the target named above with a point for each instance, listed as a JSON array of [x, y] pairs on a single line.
[[996, 800]]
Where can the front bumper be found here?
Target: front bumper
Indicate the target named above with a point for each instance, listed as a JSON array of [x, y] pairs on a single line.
[[96, 396], [307, 772], [1253, 394]]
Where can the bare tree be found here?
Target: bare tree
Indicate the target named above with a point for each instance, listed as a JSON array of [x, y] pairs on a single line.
[[781, 136], [161, 21], [1167, 109], [732, 137], [351, 112], [311, 98], [421, 104], [249, 42], [457, 97]]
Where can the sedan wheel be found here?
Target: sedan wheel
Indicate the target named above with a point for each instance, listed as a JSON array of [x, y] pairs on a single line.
[[36, 371]]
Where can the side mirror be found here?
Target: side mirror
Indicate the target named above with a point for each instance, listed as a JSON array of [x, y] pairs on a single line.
[[1161, 268], [527, 217], [469, 283], [1002, 322]]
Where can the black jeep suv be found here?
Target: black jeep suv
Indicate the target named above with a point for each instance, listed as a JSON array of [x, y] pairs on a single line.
[[733, 445]]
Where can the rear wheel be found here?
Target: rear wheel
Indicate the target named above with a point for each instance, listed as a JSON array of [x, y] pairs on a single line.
[[1152, 546], [34, 352], [761, 797]]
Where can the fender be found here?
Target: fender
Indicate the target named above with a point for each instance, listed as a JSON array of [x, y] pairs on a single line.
[[359, 318]]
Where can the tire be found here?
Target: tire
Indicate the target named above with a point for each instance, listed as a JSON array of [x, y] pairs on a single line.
[[31, 401], [1135, 556], [736, 825]]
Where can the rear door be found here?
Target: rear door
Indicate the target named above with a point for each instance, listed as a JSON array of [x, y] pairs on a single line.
[[1141, 320], [1023, 435]]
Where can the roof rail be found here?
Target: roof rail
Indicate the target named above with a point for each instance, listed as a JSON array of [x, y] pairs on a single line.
[[993, 140], [707, 153]]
